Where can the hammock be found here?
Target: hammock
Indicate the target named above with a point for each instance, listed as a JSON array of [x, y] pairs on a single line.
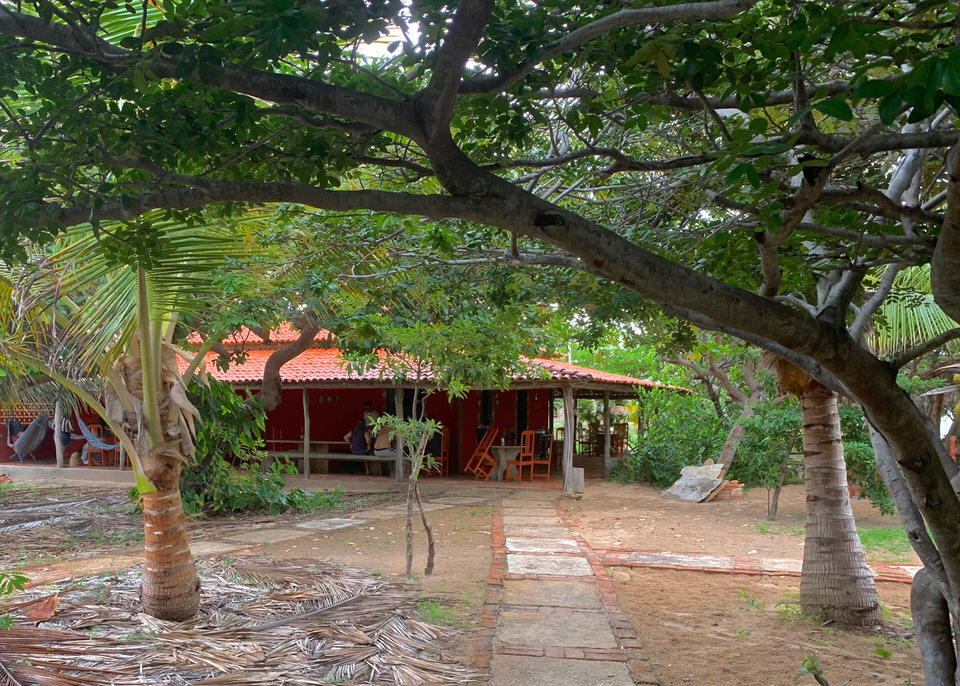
[[31, 437], [95, 442]]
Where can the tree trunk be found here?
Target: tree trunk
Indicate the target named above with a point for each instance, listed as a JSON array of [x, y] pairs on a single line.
[[409, 526], [431, 545], [170, 588], [774, 503], [931, 621], [835, 582]]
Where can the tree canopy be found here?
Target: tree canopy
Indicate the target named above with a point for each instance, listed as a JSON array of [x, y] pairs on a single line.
[[744, 164]]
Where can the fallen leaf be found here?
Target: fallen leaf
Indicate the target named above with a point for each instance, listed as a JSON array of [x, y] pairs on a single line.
[[44, 609]]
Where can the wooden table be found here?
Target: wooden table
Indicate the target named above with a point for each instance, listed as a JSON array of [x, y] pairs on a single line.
[[503, 453]]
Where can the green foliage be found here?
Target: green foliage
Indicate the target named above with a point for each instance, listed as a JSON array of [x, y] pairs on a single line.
[[414, 434], [861, 465], [9, 584], [231, 433], [766, 439], [680, 430], [811, 666]]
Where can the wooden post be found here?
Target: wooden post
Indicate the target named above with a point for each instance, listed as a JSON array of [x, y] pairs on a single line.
[[569, 437], [606, 433], [57, 430], [398, 405], [306, 433]]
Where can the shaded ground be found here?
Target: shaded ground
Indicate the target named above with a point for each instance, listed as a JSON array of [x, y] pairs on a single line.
[[695, 628]]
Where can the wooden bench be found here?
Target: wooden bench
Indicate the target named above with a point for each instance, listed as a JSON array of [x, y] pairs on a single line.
[[297, 455]]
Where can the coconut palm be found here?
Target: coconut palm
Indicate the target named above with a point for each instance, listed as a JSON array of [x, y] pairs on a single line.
[[106, 307]]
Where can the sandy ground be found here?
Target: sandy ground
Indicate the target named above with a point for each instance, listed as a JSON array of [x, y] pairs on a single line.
[[700, 628], [696, 628]]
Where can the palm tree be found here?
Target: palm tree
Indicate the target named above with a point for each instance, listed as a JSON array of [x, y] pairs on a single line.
[[90, 308]]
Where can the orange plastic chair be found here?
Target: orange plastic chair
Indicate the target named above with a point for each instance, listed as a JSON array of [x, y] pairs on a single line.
[[618, 441], [525, 458], [481, 462]]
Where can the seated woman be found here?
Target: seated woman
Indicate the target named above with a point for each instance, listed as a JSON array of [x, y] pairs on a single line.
[[359, 438]]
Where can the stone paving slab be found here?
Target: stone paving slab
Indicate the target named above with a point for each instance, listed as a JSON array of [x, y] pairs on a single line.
[[542, 545], [510, 522], [203, 548], [549, 630], [528, 512], [680, 560], [326, 524], [575, 594], [552, 565], [771, 564], [513, 670], [268, 535], [539, 532], [427, 507], [458, 500]]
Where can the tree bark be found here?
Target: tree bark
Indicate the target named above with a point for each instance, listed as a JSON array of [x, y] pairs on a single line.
[[409, 526], [170, 588], [835, 582], [431, 546], [569, 437], [931, 622]]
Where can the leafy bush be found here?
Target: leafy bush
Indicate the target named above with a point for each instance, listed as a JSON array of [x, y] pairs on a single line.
[[680, 430], [9, 583], [767, 436], [231, 428]]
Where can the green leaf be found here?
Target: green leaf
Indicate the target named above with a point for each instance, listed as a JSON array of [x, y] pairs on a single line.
[[889, 107], [171, 49], [836, 108], [874, 89]]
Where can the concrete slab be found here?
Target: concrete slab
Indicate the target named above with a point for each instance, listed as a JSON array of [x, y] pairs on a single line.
[[680, 560], [550, 630], [327, 524], [551, 594], [538, 531], [204, 548], [383, 513], [511, 670], [531, 496], [542, 545], [770, 564], [427, 507], [509, 521], [458, 500], [268, 535], [528, 511], [554, 565]]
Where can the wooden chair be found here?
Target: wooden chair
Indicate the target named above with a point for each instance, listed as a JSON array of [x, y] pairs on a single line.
[[525, 458], [106, 456], [482, 463], [557, 447], [441, 462], [618, 441], [545, 460]]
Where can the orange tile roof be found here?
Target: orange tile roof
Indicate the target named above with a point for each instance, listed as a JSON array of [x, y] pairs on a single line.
[[326, 366], [245, 337]]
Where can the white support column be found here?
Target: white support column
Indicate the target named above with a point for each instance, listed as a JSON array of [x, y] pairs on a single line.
[[57, 428], [606, 433], [398, 464], [306, 433], [569, 437]]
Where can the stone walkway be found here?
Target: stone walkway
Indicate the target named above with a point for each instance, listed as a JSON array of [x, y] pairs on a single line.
[[551, 606]]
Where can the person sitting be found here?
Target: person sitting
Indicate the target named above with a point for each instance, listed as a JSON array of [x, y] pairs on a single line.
[[384, 447], [369, 414], [359, 438]]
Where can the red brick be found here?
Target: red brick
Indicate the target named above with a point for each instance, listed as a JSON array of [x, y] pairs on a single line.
[[611, 655], [631, 643], [573, 653], [526, 651], [553, 652]]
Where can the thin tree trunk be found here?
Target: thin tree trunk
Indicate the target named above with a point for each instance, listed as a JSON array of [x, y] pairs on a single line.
[[835, 582], [170, 588], [431, 548], [409, 522], [775, 501]]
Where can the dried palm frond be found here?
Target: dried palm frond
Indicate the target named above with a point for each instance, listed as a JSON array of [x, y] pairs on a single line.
[[261, 621]]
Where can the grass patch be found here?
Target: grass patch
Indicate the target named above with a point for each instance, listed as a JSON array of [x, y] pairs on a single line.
[[885, 544], [434, 612]]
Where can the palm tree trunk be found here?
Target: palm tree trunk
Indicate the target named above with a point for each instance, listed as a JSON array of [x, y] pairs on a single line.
[[835, 582], [170, 588]]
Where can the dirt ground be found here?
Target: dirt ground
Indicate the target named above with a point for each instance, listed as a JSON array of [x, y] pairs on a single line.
[[696, 628], [700, 628]]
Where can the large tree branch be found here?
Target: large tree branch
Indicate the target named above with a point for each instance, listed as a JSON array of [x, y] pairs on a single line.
[[945, 265], [913, 353], [281, 89], [693, 11], [867, 310]]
